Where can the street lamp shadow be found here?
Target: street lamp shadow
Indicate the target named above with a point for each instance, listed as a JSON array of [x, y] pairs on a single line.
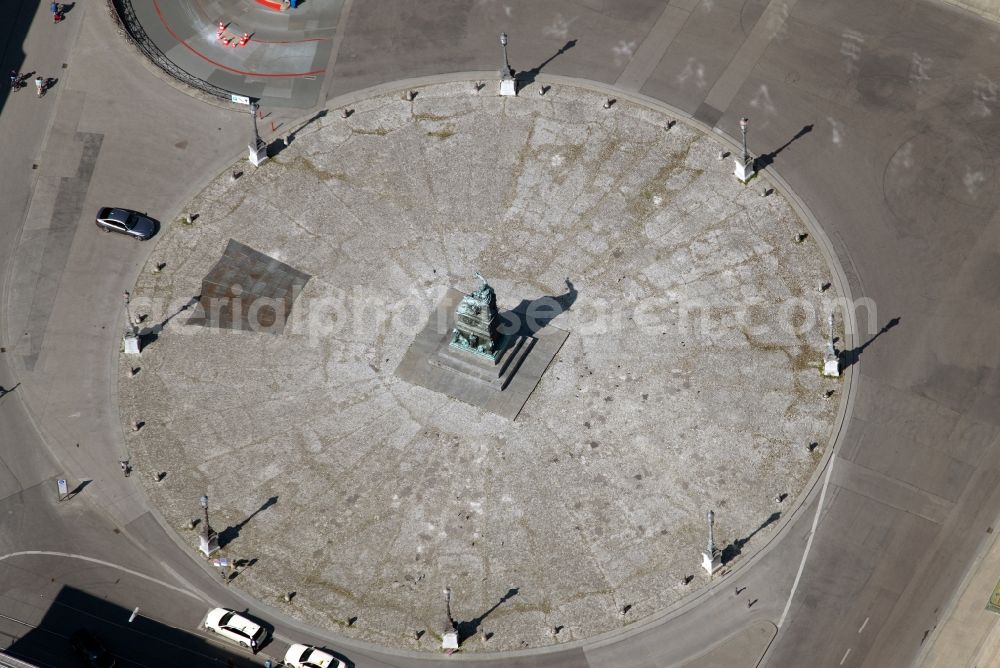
[[766, 159], [734, 549], [528, 76], [231, 533], [467, 629]]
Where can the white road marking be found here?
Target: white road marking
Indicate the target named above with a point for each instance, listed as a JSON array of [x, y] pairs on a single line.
[[809, 542], [863, 625], [845, 656], [102, 563]]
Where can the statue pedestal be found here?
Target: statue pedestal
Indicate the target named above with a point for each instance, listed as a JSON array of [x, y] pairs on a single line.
[[131, 343], [449, 641], [711, 562], [258, 154], [744, 170], [508, 86], [831, 366], [501, 387], [209, 544]]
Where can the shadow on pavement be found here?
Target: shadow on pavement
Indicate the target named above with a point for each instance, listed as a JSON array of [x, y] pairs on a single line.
[[229, 534], [528, 76], [734, 549], [766, 159], [529, 317], [467, 629], [851, 357], [133, 641]]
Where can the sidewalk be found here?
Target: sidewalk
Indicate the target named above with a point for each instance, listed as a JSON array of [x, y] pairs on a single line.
[[969, 637]]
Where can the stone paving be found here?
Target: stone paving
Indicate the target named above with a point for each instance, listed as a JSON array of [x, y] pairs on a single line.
[[689, 379]]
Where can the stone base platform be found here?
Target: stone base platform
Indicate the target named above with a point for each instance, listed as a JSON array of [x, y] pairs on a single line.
[[501, 388]]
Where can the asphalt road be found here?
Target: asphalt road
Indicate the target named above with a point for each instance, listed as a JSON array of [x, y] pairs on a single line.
[[882, 117]]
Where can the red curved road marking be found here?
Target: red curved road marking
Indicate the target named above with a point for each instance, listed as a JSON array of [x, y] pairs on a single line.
[[190, 48]]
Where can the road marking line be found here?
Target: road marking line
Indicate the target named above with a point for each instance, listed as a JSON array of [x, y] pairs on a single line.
[[809, 542], [845, 656], [863, 625], [102, 563]]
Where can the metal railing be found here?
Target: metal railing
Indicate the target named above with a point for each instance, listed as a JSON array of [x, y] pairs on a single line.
[[131, 30]]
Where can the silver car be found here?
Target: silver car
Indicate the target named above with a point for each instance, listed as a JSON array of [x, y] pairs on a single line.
[[124, 221]]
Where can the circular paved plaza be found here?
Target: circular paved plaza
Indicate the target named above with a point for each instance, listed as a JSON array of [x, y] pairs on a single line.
[[689, 379]]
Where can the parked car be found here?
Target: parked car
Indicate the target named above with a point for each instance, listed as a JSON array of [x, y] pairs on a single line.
[[90, 650], [233, 626], [304, 656], [127, 222]]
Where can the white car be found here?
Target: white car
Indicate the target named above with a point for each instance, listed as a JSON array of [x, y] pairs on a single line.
[[233, 626], [304, 656]]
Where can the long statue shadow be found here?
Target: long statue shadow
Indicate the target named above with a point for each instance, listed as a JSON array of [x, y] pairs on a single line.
[[734, 549], [851, 357], [528, 76], [467, 629], [763, 161], [229, 534], [530, 316]]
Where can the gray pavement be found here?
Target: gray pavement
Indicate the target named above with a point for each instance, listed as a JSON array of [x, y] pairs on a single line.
[[689, 379], [902, 99]]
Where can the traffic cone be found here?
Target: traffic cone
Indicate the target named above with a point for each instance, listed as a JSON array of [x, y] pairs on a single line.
[[244, 39], [222, 28]]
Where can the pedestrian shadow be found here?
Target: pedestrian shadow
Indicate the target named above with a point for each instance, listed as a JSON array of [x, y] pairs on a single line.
[[4, 391], [66, 8], [765, 160], [734, 549], [151, 334], [467, 629], [528, 76], [529, 317], [851, 357], [231, 533]]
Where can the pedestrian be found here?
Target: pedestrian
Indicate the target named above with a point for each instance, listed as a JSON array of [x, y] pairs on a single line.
[[253, 645], [15, 78], [126, 469], [40, 85]]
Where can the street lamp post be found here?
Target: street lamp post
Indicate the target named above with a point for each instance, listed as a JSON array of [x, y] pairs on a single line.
[[130, 340], [449, 638], [745, 168], [831, 361], [505, 71], [256, 147], [508, 86], [209, 543], [711, 558]]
